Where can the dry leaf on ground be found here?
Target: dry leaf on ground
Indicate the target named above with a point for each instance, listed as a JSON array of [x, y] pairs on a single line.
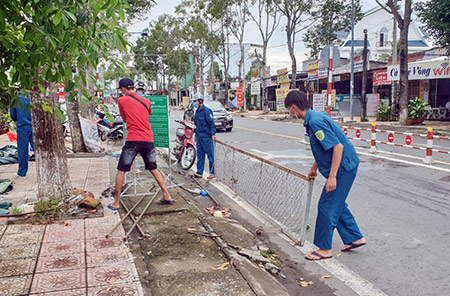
[[326, 277], [222, 266]]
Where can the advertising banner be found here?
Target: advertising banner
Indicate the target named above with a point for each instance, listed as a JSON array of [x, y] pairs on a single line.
[[380, 78], [283, 76], [319, 102], [281, 94], [422, 70], [373, 101], [240, 96], [255, 89]]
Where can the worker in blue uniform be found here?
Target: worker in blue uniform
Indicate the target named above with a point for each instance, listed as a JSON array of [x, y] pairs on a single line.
[[205, 134], [337, 161], [21, 114]]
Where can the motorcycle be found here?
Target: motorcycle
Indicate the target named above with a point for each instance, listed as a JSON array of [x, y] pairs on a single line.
[[185, 150], [107, 130]]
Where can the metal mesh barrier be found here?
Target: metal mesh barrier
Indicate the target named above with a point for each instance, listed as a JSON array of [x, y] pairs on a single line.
[[281, 193]]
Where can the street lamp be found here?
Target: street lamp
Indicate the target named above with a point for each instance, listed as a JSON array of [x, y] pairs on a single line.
[[352, 56]]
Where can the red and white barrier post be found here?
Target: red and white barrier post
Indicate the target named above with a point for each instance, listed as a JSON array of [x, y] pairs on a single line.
[[373, 142], [429, 157], [330, 79]]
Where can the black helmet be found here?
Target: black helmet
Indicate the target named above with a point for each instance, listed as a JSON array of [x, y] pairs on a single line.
[[140, 86]]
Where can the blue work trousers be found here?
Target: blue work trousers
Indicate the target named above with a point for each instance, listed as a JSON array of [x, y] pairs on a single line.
[[24, 139], [333, 213], [205, 146]]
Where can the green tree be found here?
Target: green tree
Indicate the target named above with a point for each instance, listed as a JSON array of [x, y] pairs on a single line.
[[41, 43], [330, 17], [436, 17]]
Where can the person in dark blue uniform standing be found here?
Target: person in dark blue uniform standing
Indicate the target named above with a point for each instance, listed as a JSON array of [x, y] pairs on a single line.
[[205, 134], [21, 114], [336, 159]]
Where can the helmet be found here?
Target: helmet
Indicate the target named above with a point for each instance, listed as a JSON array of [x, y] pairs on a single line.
[[140, 86], [197, 97]]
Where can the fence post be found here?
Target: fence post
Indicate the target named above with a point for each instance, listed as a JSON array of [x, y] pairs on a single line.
[[373, 144], [429, 156], [306, 217]]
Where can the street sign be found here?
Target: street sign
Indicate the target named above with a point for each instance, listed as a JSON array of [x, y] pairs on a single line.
[[283, 76], [358, 133], [318, 102], [408, 140], [345, 131], [255, 89], [391, 138], [159, 120], [325, 56]]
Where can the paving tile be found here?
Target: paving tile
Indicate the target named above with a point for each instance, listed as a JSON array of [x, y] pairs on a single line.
[[104, 244], [16, 267], [63, 236], [74, 292], [15, 285], [132, 289], [119, 274], [60, 262], [2, 228], [24, 238], [102, 231], [75, 224], [24, 228], [57, 281], [108, 220], [19, 251], [72, 247], [108, 257]]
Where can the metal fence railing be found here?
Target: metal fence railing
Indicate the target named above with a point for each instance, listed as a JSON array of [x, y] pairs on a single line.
[[279, 192]]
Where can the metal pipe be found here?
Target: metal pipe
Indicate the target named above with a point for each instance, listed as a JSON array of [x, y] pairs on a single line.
[[352, 75]]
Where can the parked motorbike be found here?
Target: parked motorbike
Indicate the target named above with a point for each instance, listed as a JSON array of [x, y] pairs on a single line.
[[185, 150], [108, 130]]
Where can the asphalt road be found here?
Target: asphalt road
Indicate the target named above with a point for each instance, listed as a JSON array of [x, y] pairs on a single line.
[[402, 206]]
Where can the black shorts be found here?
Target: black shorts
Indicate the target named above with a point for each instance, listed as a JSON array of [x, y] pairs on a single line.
[[131, 149]]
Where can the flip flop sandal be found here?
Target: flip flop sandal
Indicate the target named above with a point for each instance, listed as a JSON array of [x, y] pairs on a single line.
[[211, 176], [353, 246], [111, 207], [320, 256], [165, 202], [196, 176]]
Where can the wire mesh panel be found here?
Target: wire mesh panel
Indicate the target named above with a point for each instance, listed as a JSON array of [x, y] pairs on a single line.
[[277, 191]]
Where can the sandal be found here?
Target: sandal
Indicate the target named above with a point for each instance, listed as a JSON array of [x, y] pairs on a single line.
[[318, 255], [211, 176], [165, 202], [196, 176], [111, 207], [352, 246]]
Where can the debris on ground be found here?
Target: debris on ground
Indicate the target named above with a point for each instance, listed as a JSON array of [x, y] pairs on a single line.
[[222, 266], [326, 277], [225, 212], [304, 284]]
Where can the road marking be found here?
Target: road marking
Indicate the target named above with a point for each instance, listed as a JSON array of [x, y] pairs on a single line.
[[301, 140], [410, 156], [360, 285], [269, 156]]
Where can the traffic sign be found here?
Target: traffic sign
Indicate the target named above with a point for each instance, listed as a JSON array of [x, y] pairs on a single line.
[[391, 138], [358, 133], [345, 131], [325, 56], [408, 140]]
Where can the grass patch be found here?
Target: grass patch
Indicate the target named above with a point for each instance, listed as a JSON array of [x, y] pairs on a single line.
[[48, 207], [272, 255], [16, 211]]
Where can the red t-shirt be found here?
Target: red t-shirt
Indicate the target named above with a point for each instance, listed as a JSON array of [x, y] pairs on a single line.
[[137, 118]]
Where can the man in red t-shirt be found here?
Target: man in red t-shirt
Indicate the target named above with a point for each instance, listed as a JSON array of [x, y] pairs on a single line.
[[135, 112]]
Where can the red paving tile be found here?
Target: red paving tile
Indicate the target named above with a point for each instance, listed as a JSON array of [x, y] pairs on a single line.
[[108, 257], [62, 248], [118, 274], [60, 262], [104, 243], [21, 228], [15, 285], [133, 289], [63, 236], [102, 231], [57, 281], [74, 292]]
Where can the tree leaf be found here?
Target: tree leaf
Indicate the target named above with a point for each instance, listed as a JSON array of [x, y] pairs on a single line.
[[57, 18], [60, 114]]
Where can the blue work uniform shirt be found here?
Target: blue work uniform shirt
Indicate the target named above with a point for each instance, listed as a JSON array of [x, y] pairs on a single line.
[[204, 122], [324, 134], [21, 115]]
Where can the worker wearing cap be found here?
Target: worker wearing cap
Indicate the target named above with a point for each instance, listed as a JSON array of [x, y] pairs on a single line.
[[337, 161], [140, 89], [205, 134]]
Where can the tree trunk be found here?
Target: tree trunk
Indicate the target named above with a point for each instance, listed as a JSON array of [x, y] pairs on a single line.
[[290, 43], [88, 109], [264, 85], [213, 79], [52, 173], [404, 90], [75, 127]]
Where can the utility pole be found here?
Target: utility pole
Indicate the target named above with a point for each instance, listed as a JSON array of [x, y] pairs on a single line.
[[352, 74], [364, 79], [394, 62]]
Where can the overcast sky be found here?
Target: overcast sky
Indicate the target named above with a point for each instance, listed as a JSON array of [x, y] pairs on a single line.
[[277, 57]]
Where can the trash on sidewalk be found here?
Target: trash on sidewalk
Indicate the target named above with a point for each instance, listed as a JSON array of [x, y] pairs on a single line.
[[88, 201], [326, 277], [225, 212], [6, 185], [304, 284], [222, 266]]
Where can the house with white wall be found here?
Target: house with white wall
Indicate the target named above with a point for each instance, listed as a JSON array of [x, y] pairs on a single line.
[[379, 25]]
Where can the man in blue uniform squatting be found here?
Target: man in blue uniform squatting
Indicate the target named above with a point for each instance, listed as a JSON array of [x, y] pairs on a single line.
[[337, 161], [205, 133]]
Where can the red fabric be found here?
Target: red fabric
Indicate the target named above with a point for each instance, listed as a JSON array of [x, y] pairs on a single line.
[[137, 118]]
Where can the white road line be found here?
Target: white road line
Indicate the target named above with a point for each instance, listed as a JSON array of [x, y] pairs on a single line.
[[360, 285], [269, 156], [405, 155], [301, 140]]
